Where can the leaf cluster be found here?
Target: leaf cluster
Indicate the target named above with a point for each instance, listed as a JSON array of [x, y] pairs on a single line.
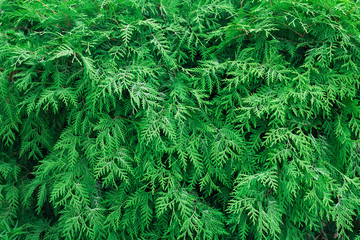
[[179, 119]]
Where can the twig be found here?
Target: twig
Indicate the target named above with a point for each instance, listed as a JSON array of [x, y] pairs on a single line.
[[47, 6], [40, 14], [241, 30], [351, 10], [60, 27], [294, 30], [68, 24], [161, 13], [28, 171], [27, 175], [117, 23], [328, 7], [97, 5]]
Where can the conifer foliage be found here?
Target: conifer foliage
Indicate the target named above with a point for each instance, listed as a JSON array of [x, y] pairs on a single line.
[[179, 119]]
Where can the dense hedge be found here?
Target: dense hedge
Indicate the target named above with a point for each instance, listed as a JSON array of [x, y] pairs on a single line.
[[179, 119]]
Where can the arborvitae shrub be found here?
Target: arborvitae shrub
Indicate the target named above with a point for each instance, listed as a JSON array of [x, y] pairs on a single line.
[[179, 119]]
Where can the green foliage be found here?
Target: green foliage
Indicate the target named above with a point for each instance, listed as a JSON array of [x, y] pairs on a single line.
[[179, 119]]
